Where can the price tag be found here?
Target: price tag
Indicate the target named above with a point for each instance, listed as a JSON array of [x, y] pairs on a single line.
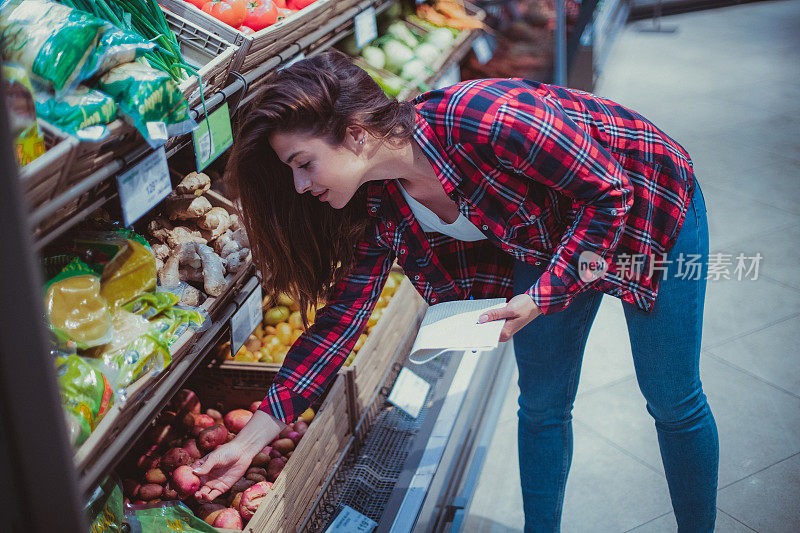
[[351, 521], [409, 392], [295, 59], [451, 77], [143, 186], [366, 27], [212, 137], [246, 320], [483, 52]]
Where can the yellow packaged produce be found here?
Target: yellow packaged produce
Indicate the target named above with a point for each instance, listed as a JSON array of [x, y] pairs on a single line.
[[276, 315], [296, 320], [360, 342], [271, 343], [265, 356], [76, 309], [284, 333]]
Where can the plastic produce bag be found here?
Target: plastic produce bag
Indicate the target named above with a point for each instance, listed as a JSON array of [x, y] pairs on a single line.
[[137, 349], [164, 517], [86, 394], [75, 308], [174, 322], [117, 47], [106, 508], [53, 42], [150, 304], [149, 100], [81, 109], [28, 140]]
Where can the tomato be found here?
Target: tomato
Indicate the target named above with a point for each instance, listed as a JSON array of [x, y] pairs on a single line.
[[245, 30], [280, 4], [197, 3], [231, 12], [299, 4], [260, 14], [284, 13]]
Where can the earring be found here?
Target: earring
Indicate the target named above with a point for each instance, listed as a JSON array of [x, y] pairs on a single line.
[[361, 141]]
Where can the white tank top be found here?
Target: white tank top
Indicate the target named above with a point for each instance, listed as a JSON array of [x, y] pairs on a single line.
[[462, 229]]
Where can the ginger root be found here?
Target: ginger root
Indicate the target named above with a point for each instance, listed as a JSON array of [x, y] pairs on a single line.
[[186, 207], [217, 221], [195, 183], [173, 236], [214, 283], [169, 275]]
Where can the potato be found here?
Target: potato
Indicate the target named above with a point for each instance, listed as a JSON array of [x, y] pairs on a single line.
[[155, 475], [205, 509], [294, 436], [167, 417], [174, 458], [231, 436], [273, 453], [301, 427], [150, 491], [228, 518], [262, 457], [360, 342], [169, 492], [255, 478], [284, 445], [187, 420], [186, 400], [191, 448], [285, 431], [212, 516], [210, 438], [242, 485], [276, 315], [201, 422], [237, 499], [275, 467], [185, 480], [160, 434], [150, 459], [307, 416], [237, 419], [252, 497], [214, 414], [252, 343], [284, 333], [254, 406]]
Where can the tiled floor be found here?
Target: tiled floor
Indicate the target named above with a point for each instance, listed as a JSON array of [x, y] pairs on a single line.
[[727, 87]]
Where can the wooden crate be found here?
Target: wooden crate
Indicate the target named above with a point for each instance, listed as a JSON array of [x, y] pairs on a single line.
[[256, 48], [292, 495], [400, 321], [48, 174]]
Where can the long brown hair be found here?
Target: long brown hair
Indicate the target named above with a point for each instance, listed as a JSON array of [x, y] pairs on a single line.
[[303, 246]]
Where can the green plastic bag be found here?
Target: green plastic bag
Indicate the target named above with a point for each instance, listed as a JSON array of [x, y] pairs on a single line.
[[150, 304], [105, 508], [165, 517], [85, 393], [78, 110]]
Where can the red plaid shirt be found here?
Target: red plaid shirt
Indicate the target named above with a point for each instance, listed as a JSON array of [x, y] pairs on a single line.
[[548, 174]]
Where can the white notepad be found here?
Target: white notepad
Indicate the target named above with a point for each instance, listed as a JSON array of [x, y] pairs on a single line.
[[453, 326]]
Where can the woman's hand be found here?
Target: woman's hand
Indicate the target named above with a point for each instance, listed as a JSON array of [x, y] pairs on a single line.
[[223, 467], [518, 312]]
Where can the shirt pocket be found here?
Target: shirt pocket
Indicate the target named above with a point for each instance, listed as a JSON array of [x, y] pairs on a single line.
[[524, 228]]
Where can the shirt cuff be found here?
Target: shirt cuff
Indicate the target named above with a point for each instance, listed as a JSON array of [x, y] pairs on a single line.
[[550, 293], [283, 403]]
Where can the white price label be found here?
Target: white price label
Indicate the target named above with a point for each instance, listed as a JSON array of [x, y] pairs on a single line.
[[451, 77], [246, 320], [409, 392], [351, 521], [143, 186], [366, 27], [483, 52]]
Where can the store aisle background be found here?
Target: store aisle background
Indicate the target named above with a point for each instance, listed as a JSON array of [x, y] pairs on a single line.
[[727, 87]]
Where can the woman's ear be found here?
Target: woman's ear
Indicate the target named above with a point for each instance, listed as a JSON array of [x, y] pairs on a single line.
[[356, 138]]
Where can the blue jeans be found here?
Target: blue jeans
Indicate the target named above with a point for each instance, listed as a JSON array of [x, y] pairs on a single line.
[[666, 353]]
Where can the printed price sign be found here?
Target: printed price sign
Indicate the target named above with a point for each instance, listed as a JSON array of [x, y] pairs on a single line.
[[212, 137], [143, 186], [409, 392], [245, 320], [366, 27], [482, 49], [451, 77], [351, 521]]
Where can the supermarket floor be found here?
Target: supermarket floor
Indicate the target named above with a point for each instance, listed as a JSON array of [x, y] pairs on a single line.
[[726, 85]]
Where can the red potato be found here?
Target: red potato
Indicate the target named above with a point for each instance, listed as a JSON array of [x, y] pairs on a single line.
[[205, 509], [185, 480], [169, 492], [283, 445], [186, 400], [228, 518], [231, 436], [187, 420], [216, 415], [167, 417], [191, 448], [130, 488], [301, 427], [241, 485], [160, 434], [285, 431], [210, 438], [254, 406], [262, 457], [155, 475], [212, 516], [275, 468], [289, 455], [237, 499], [256, 474], [237, 419], [274, 454], [294, 437], [174, 458], [151, 491], [149, 460], [252, 497]]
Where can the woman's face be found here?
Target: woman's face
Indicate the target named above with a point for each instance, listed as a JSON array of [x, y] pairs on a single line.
[[331, 173]]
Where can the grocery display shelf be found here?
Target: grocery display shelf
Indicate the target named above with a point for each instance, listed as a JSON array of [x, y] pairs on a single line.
[[120, 428]]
